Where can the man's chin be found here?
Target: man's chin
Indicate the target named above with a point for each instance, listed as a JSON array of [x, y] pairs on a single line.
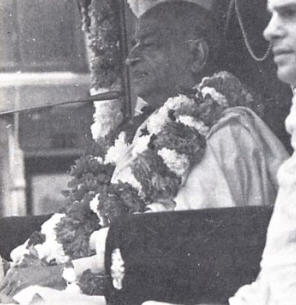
[[141, 90], [287, 75]]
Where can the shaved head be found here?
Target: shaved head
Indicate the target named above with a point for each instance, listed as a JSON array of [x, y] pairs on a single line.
[[175, 44], [185, 20]]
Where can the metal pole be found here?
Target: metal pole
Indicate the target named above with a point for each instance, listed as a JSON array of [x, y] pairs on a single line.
[[124, 53], [110, 95]]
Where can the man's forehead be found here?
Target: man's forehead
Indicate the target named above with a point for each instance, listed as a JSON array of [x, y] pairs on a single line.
[[149, 27], [279, 4], [140, 7]]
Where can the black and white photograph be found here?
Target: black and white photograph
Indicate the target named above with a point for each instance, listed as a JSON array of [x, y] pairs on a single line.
[[147, 152]]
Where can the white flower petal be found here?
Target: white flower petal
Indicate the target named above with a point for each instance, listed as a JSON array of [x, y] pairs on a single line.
[[140, 145], [127, 176], [73, 289], [118, 150], [93, 205], [157, 120], [108, 115], [18, 253], [178, 102], [69, 275], [177, 163], [216, 96], [194, 123]]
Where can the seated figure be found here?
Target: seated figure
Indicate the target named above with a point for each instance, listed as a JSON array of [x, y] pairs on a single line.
[[200, 147]]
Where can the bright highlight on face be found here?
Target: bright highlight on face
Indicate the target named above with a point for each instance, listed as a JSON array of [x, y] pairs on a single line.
[[281, 31]]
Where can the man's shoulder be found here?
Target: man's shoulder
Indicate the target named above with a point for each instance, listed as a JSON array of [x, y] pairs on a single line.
[[237, 119], [242, 127]]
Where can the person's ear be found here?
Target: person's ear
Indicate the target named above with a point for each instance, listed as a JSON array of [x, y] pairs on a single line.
[[199, 49]]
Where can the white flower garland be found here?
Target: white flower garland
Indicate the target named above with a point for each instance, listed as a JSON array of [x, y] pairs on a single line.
[[107, 116], [177, 163], [118, 150], [49, 250], [192, 122]]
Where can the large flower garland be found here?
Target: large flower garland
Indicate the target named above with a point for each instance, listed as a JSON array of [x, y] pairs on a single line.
[[165, 147], [100, 23]]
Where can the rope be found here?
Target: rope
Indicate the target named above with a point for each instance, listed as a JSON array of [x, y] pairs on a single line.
[[234, 3]]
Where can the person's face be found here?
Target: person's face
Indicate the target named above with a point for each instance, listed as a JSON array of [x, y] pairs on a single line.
[[281, 32], [158, 61]]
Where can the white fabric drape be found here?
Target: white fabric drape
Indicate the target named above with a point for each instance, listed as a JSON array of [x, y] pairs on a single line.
[[239, 166]]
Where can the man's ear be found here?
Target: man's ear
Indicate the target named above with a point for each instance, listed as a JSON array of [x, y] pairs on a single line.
[[199, 49]]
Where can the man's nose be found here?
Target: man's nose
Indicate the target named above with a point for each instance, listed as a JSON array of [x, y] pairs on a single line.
[[274, 29], [133, 56]]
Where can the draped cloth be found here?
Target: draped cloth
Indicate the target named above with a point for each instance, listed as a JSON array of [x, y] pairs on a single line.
[[276, 283], [238, 168]]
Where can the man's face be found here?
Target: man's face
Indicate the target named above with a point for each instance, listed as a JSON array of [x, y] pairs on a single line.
[[281, 31], [158, 61]]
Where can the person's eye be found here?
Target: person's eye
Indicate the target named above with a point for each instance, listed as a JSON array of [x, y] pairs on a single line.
[[288, 13], [148, 44]]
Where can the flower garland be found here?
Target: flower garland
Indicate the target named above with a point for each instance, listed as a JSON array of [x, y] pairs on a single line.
[[100, 23], [162, 147]]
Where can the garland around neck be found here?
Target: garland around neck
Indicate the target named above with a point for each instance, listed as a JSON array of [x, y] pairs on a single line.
[[172, 140]]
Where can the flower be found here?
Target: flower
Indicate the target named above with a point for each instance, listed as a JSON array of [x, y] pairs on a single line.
[[199, 125], [216, 96], [69, 274], [19, 252], [73, 289], [157, 120], [94, 204], [48, 227], [118, 150], [107, 116], [99, 21], [140, 145], [117, 269], [129, 177], [51, 249], [177, 163], [179, 103], [99, 159], [70, 277]]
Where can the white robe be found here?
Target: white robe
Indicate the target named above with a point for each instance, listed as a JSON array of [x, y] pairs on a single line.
[[239, 166]]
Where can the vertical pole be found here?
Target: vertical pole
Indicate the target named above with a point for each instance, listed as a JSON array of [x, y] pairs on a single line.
[[124, 53]]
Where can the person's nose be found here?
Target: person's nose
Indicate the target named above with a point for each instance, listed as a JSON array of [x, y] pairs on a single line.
[[134, 56], [274, 29]]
